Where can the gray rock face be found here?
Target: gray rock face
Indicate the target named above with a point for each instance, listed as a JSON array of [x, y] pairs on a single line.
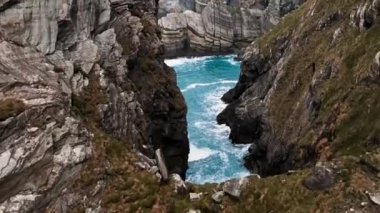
[[217, 197], [42, 144], [375, 197], [218, 26], [161, 164], [59, 61], [178, 184], [234, 187], [169, 6], [174, 31]]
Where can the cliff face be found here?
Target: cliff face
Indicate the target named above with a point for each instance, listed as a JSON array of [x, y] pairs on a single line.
[[308, 90], [71, 71], [83, 87], [217, 26]]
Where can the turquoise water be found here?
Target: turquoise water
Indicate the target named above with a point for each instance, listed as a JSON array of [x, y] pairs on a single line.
[[203, 81]]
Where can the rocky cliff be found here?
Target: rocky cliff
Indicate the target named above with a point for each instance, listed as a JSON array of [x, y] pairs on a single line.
[[78, 78], [217, 26], [308, 90], [85, 100]]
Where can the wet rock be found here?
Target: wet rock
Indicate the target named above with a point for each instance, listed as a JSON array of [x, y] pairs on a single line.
[[234, 187], [178, 184], [217, 197], [321, 178]]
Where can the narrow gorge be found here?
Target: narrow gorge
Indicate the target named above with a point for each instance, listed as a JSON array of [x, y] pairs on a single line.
[[189, 106], [203, 80]]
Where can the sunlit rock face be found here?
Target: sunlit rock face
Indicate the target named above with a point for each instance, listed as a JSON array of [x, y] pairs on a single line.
[[63, 62], [216, 25]]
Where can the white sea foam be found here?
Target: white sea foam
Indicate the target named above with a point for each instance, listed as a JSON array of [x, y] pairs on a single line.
[[197, 153], [211, 128], [196, 85], [213, 101], [233, 61], [224, 157], [212, 157], [185, 60]]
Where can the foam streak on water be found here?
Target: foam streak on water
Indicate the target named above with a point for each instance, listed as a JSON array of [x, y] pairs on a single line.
[[203, 81]]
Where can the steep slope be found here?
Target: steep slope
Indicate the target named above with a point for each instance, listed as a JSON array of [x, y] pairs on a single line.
[[217, 26], [78, 78], [309, 89], [83, 86]]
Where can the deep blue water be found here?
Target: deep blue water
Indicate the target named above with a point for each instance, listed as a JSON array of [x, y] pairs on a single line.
[[203, 81]]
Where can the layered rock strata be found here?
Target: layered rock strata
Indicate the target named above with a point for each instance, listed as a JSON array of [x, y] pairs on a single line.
[[66, 66], [218, 26]]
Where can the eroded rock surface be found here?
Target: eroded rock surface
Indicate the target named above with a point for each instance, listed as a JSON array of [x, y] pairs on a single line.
[[287, 103], [218, 26], [64, 63]]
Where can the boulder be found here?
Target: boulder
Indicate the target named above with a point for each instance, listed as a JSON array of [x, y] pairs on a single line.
[[375, 197], [195, 196], [178, 184], [321, 178], [217, 197], [234, 187]]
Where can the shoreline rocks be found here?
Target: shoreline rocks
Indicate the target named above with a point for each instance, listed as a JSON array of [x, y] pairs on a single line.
[[216, 26]]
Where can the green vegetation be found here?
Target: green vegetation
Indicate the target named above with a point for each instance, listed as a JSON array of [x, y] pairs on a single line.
[[86, 104], [348, 108], [349, 113]]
